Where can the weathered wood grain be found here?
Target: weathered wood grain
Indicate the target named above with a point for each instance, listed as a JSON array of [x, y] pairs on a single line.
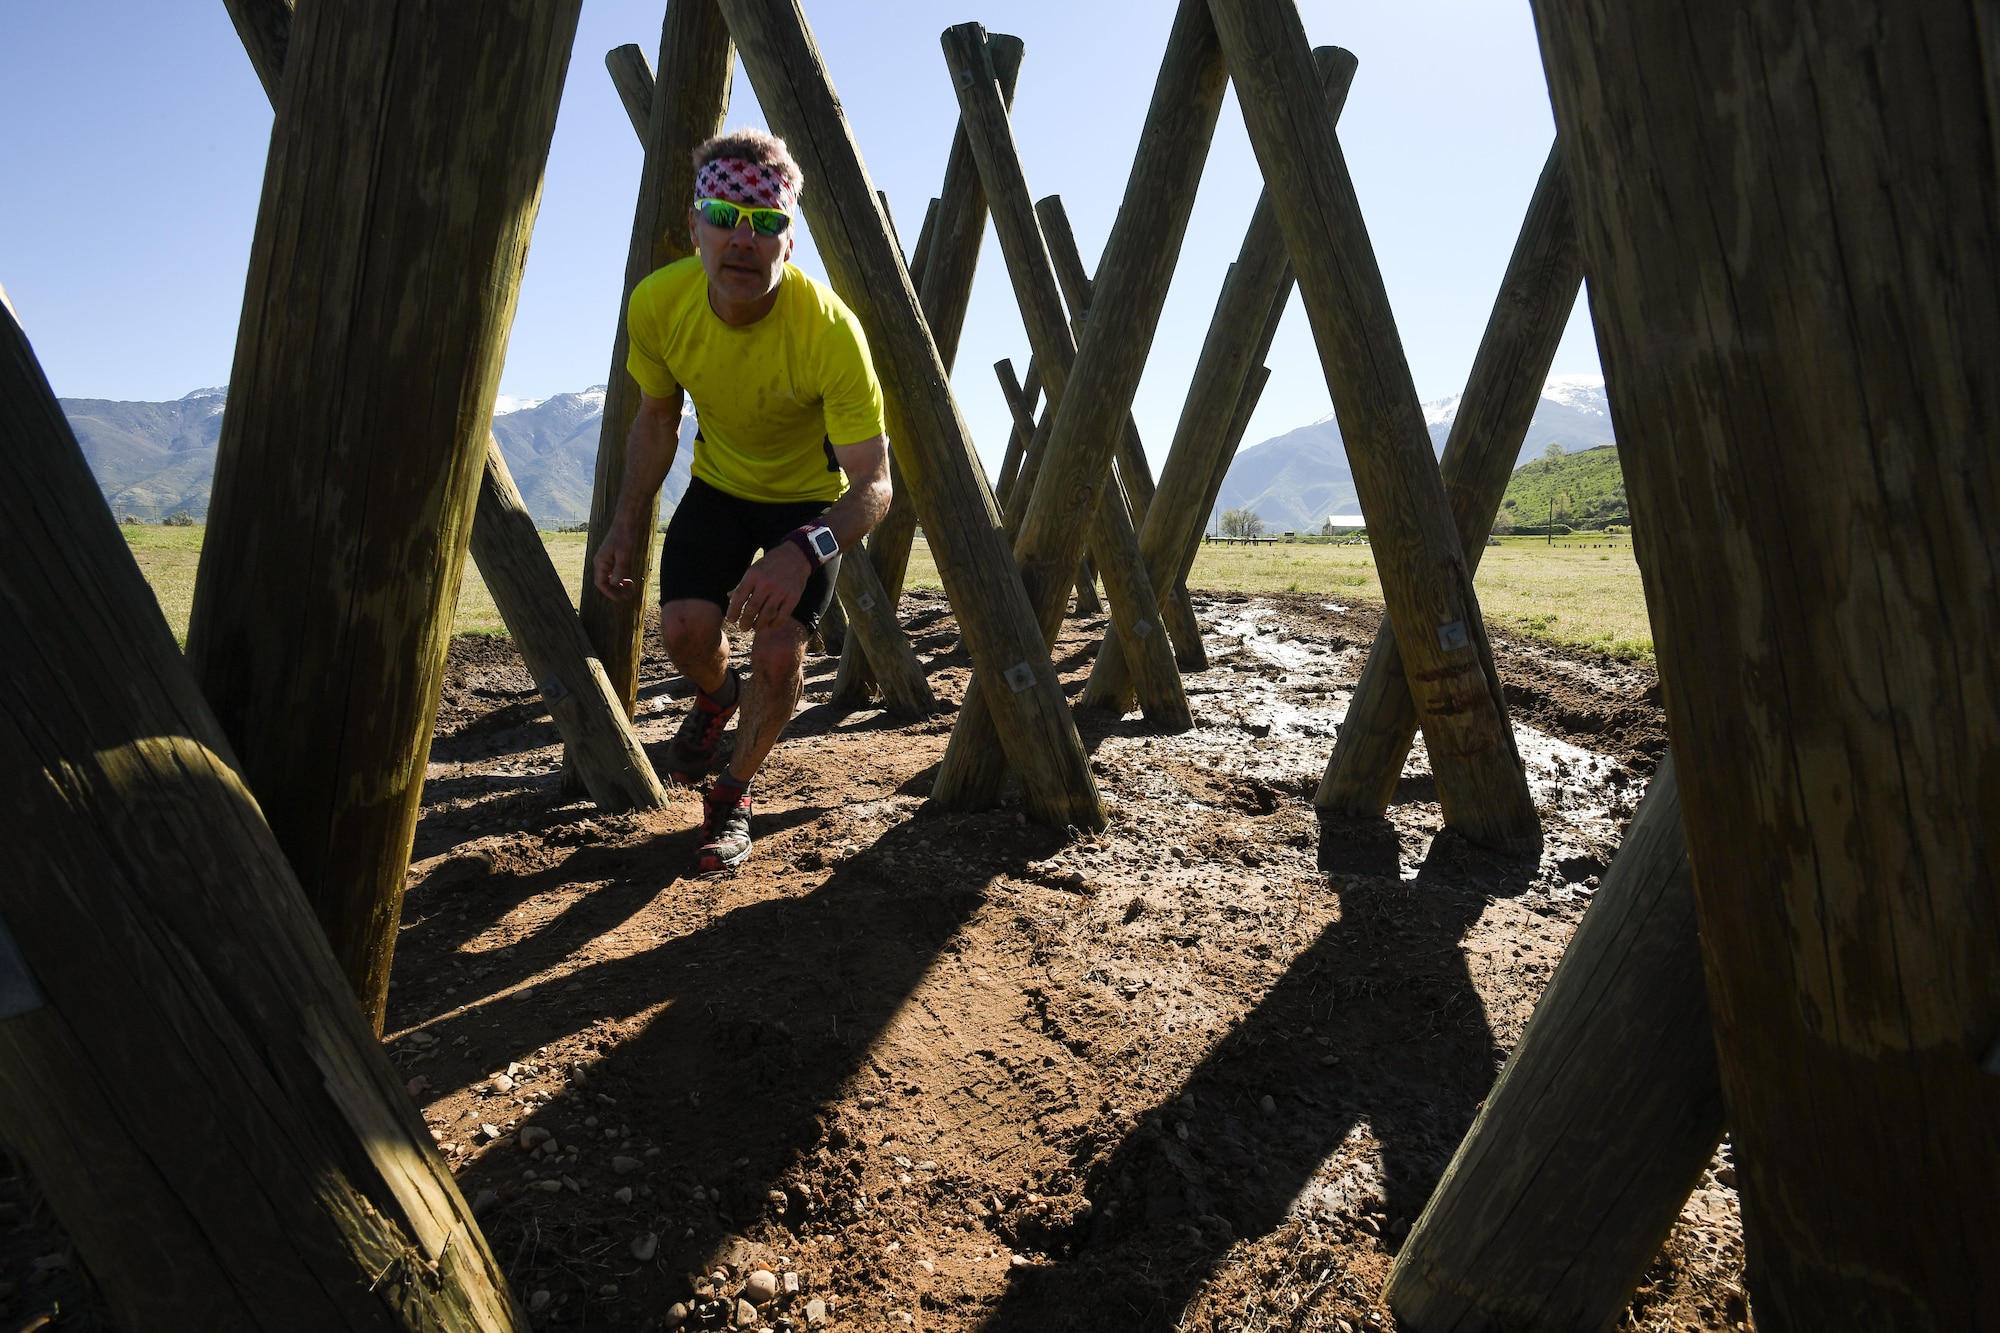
[[1254, 293], [1600, 1123], [632, 75], [398, 199], [1137, 265], [689, 101], [182, 1062], [1790, 215], [597, 736], [1425, 583], [941, 269], [940, 467], [1537, 293], [509, 552]]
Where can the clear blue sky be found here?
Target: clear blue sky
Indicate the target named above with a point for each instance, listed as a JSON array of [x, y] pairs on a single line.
[[137, 137]]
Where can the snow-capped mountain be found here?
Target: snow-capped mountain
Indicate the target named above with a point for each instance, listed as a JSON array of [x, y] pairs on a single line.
[[1293, 481], [551, 448], [157, 459]]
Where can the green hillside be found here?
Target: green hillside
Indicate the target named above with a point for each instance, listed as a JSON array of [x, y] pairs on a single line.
[[1587, 489]]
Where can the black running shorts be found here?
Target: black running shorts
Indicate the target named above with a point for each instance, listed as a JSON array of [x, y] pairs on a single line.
[[714, 537]]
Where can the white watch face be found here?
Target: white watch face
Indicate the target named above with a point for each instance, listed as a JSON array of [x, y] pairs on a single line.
[[825, 543]]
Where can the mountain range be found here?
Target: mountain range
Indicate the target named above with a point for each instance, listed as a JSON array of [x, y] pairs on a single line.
[[153, 460], [156, 459], [1296, 480]]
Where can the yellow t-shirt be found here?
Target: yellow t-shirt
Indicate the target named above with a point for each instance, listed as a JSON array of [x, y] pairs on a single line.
[[772, 398]]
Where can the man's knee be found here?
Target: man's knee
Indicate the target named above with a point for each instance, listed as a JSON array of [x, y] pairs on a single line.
[[690, 629], [780, 652]]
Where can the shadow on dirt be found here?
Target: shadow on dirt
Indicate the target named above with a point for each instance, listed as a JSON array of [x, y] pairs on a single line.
[[1376, 1031]]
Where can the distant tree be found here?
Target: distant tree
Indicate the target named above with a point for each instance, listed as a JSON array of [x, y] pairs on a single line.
[[1554, 452], [1241, 523], [1503, 523], [180, 520]]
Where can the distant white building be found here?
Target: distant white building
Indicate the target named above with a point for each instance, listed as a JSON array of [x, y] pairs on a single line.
[[1345, 522]]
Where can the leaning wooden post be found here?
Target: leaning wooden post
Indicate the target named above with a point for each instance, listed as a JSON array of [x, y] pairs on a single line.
[[182, 1063], [688, 105], [515, 564], [1512, 364], [633, 77], [1135, 474], [943, 471], [366, 364], [517, 569], [941, 270], [1790, 221], [874, 629], [1425, 583], [1599, 1125], [1021, 408], [1131, 286], [265, 27], [1021, 398]]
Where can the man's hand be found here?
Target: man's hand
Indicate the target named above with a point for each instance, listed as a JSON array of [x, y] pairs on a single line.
[[611, 571], [769, 589]]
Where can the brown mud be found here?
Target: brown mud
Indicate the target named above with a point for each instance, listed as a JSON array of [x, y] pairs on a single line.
[[956, 1072]]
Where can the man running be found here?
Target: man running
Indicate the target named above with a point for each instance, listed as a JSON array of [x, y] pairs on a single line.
[[789, 458]]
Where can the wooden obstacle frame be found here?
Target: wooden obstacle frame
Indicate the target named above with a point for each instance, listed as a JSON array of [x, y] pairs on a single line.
[[1789, 799]]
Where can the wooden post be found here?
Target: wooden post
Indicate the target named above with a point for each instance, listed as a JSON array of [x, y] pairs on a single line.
[[182, 1063], [832, 631], [633, 77], [266, 29], [1240, 331], [688, 105], [515, 564], [1131, 286], [941, 270], [1790, 221], [1425, 583], [1536, 296], [367, 360], [1599, 1125], [1087, 601], [1023, 412], [1135, 474], [942, 470], [1021, 405], [873, 627]]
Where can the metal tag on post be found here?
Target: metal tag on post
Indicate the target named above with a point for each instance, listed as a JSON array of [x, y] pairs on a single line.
[[553, 690], [1020, 676], [866, 601], [1452, 636], [18, 991]]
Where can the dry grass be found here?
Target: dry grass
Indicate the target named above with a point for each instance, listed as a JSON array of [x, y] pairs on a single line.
[[167, 557], [1582, 591]]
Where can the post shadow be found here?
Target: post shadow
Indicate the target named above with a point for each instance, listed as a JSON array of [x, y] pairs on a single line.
[[1376, 1023]]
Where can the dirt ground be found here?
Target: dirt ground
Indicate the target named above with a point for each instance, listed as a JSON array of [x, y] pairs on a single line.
[[957, 1072]]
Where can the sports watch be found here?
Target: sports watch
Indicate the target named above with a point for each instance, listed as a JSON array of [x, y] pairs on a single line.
[[816, 540]]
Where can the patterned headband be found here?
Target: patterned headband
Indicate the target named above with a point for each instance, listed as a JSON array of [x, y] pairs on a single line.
[[744, 182]]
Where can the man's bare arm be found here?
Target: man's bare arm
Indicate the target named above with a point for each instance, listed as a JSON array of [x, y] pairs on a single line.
[[854, 515], [649, 453]]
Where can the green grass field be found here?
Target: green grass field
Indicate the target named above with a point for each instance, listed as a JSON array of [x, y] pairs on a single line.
[[1582, 590]]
